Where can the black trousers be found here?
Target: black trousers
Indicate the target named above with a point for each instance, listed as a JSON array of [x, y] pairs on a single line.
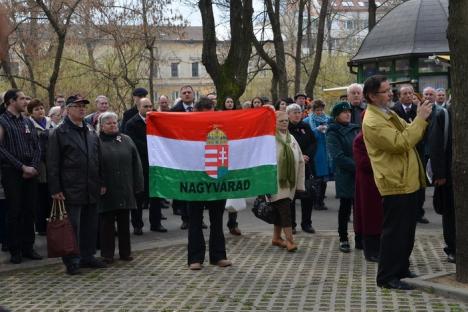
[[181, 207], [344, 213], [21, 200], [155, 205], [371, 245], [232, 220], [421, 199], [107, 231], [448, 227], [397, 239], [306, 209], [196, 240], [84, 219], [43, 207], [3, 210]]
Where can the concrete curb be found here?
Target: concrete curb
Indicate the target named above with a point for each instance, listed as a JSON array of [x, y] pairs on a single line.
[[424, 284]]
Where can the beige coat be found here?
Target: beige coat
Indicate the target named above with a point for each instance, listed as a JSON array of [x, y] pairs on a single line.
[[299, 160]]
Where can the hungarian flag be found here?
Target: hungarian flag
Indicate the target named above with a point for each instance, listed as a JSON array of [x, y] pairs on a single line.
[[212, 155]]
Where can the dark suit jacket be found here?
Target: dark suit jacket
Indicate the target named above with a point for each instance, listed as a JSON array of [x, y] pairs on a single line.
[[179, 107], [400, 110], [127, 115], [136, 130]]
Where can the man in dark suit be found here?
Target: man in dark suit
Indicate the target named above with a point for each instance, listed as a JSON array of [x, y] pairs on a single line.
[[407, 110], [186, 104], [137, 94], [355, 99], [136, 129]]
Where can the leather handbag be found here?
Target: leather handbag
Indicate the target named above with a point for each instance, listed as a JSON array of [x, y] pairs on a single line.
[[263, 210], [61, 239]]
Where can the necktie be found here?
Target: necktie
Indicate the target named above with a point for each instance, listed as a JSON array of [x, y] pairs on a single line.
[[189, 108], [407, 109]]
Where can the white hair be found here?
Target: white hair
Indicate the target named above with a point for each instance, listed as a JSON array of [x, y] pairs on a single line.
[[293, 108], [408, 86], [55, 110], [99, 97], [352, 87], [105, 117], [428, 88]]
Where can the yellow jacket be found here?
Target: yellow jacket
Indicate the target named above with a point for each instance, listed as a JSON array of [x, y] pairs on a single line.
[[390, 143]]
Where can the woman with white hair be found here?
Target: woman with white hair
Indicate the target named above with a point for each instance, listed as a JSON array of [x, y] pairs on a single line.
[[123, 177], [55, 115]]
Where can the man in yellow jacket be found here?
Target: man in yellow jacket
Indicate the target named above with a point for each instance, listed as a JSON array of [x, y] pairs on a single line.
[[398, 173]]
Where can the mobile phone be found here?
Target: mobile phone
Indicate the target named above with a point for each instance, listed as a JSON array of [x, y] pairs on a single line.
[[419, 97]]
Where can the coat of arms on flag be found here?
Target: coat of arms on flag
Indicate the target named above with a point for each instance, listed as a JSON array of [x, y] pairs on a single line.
[[216, 154]]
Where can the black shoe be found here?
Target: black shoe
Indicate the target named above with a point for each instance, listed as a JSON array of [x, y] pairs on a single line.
[[33, 255], [158, 228], [184, 226], [138, 231], [92, 263], [344, 247], [409, 274], [294, 230], [397, 284], [451, 258], [358, 244], [423, 220], [204, 226], [73, 269], [16, 259], [321, 207], [373, 259], [163, 217], [308, 229]]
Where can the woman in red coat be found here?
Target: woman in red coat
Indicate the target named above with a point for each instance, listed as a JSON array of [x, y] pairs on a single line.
[[368, 210]]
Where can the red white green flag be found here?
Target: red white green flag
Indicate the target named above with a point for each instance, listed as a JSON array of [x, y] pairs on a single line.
[[212, 155]]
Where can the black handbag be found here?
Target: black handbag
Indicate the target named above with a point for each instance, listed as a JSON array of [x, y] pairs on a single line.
[[263, 210]]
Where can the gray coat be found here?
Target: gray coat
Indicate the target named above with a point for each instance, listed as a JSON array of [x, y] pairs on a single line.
[[121, 172]]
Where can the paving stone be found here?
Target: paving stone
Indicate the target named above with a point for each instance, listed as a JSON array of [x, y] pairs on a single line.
[[263, 278]]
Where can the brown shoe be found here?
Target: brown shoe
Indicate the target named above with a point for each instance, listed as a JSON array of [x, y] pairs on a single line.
[[279, 242], [291, 246], [195, 266], [223, 263], [235, 231]]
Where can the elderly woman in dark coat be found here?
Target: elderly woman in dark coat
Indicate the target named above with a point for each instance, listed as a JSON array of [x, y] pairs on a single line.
[[123, 177], [368, 209], [340, 136]]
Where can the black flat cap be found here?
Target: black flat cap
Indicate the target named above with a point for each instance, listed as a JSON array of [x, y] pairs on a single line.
[[140, 92]]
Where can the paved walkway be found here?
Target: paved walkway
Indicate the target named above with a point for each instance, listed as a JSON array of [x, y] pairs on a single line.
[[263, 278]]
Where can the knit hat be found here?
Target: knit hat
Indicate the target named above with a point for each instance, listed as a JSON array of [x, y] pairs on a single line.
[[339, 108]]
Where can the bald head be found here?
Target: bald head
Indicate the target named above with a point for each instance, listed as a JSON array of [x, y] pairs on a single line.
[[145, 106], [163, 103], [406, 94]]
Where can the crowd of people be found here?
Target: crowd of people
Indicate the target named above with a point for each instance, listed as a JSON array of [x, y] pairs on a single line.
[[377, 146]]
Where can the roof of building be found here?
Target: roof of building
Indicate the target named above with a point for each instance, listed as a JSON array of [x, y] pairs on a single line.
[[413, 27]]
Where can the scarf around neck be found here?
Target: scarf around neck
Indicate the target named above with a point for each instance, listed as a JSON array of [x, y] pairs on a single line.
[[286, 164]]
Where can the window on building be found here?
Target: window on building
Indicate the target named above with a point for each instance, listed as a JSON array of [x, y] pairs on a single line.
[[174, 69], [195, 72], [385, 67], [349, 24], [175, 95]]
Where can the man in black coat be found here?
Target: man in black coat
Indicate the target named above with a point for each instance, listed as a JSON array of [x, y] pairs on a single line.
[[440, 155], [74, 175], [306, 140], [137, 94], [136, 129], [186, 104], [355, 99], [407, 110]]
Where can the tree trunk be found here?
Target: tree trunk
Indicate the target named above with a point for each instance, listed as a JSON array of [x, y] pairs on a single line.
[[372, 13], [309, 89], [300, 34], [230, 78], [458, 43], [149, 43], [5, 64]]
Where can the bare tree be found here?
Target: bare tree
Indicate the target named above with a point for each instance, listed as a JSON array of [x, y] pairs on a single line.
[[372, 14], [309, 89], [300, 33], [458, 43], [230, 77]]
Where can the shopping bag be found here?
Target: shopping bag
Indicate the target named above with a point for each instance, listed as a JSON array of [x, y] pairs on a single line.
[[61, 240], [236, 204], [263, 210]]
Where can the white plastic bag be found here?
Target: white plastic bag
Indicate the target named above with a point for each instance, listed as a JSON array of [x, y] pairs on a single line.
[[236, 204]]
